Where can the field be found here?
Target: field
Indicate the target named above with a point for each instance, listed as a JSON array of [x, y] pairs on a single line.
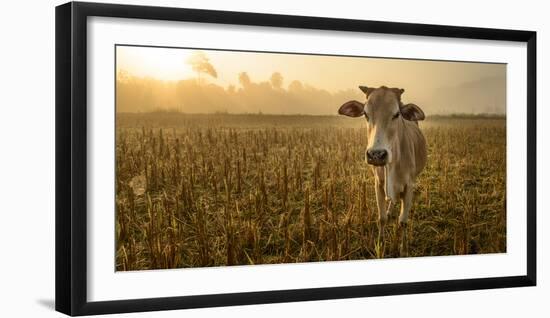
[[221, 189]]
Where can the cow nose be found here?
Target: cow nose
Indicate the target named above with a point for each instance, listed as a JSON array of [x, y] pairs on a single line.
[[377, 155]]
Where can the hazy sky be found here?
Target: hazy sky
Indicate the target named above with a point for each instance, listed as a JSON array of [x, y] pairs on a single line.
[[422, 80]]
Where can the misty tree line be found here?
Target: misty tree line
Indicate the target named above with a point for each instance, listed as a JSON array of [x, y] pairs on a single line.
[[197, 95]]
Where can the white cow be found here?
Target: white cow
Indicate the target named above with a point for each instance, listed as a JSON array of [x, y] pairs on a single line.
[[396, 150]]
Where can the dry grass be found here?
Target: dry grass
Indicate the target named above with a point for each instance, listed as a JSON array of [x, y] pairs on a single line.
[[212, 190]]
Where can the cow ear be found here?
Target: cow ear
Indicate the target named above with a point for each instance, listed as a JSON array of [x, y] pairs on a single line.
[[366, 90], [398, 92], [352, 108], [412, 112]]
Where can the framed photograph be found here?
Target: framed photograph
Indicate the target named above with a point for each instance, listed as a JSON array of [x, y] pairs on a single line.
[[208, 158]]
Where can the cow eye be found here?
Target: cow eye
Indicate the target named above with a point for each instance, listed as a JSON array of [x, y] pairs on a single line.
[[395, 116]]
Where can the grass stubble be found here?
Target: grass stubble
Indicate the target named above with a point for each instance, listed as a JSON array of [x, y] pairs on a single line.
[[220, 189]]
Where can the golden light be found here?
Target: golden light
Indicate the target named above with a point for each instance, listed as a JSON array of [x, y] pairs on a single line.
[[163, 64]]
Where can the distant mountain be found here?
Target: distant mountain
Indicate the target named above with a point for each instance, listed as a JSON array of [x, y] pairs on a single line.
[[486, 95]]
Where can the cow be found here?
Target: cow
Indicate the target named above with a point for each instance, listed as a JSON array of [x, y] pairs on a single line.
[[396, 150]]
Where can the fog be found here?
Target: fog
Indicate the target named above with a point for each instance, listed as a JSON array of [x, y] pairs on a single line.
[[191, 81]]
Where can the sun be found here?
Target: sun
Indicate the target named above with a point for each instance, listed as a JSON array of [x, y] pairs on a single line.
[[161, 63]]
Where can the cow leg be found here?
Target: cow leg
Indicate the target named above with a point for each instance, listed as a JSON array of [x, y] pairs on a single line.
[[382, 212], [406, 204]]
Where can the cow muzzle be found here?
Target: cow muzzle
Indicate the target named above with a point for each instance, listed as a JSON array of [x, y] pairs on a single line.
[[377, 157]]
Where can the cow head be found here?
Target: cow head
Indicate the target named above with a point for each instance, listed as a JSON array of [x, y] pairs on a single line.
[[385, 114]]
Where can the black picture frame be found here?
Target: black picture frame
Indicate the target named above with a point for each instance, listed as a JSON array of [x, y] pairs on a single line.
[[71, 157]]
